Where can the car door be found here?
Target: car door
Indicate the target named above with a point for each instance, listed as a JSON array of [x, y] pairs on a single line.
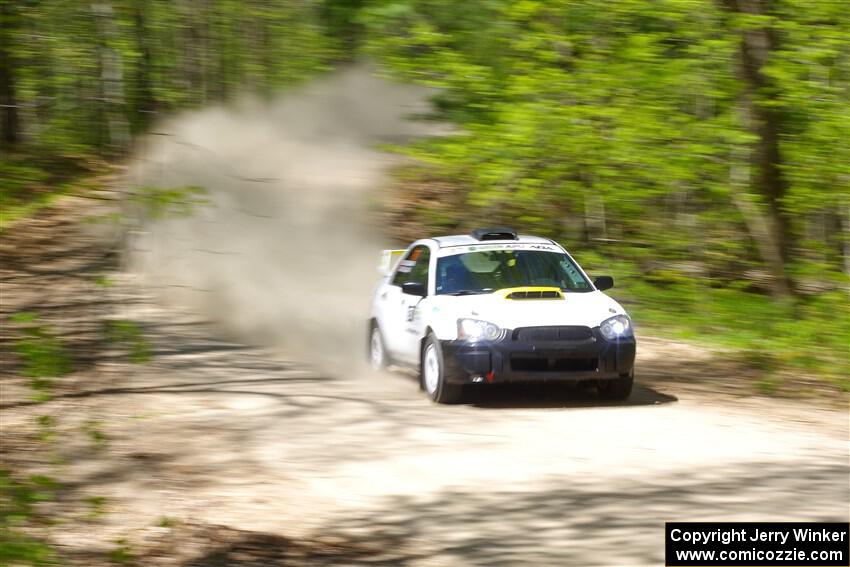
[[393, 306], [413, 305]]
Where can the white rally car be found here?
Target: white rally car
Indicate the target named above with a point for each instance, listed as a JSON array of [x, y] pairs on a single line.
[[496, 307]]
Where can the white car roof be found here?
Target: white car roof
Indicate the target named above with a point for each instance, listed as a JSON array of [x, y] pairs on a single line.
[[467, 240]]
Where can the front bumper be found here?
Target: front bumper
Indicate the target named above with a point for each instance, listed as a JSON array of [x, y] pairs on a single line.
[[508, 360]]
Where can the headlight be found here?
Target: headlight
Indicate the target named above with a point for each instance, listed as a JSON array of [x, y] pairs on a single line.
[[616, 327], [475, 330]]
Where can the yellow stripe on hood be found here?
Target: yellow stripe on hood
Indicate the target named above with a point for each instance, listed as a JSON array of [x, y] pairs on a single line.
[[531, 292]]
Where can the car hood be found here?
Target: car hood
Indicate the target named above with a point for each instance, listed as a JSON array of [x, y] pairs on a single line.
[[588, 309]]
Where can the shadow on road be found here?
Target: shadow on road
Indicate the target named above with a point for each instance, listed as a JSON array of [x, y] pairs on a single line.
[[591, 523], [502, 396]]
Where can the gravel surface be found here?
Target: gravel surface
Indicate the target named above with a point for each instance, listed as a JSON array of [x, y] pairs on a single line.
[[217, 453]]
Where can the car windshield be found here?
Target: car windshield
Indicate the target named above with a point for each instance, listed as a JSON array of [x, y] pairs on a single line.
[[487, 271]]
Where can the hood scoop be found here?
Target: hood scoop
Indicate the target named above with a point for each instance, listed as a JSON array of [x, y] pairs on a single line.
[[523, 293]]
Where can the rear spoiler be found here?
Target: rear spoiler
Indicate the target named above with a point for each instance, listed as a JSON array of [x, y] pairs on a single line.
[[388, 261]]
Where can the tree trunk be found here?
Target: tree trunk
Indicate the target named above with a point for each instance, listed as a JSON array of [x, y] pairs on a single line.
[[9, 124], [845, 223], [758, 225], [111, 79], [765, 122], [145, 104]]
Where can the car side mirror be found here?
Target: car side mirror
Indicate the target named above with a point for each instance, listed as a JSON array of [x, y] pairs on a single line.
[[414, 288], [603, 282]]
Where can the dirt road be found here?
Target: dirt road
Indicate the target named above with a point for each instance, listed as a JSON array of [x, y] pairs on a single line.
[[220, 454]]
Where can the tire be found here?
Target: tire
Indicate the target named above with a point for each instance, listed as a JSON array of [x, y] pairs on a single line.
[[378, 358], [432, 374], [616, 389]]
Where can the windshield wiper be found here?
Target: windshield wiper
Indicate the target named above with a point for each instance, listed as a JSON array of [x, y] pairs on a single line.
[[469, 292]]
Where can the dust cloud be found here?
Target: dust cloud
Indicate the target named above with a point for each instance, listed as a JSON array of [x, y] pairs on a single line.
[[284, 253]]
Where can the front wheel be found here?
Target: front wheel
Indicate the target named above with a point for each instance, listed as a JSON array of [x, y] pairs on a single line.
[[618, 388], [433, 375], [377, 353]]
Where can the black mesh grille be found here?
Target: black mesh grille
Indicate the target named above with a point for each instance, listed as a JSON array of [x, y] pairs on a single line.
[[575, 364], [556, 364], [535, 295], [543, 334]]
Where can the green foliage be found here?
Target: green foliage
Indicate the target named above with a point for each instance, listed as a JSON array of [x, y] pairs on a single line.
[[43, 354], [18, 502], [94, 431], [85, 73], [102, 280], [46, 427], [23, 317], [19, 497], [97, 506], [619, 125], [809, 335], [167, 522], [158, 202], [19, 549], [129, 335], [19, 190], [16, 178], [31, 181], [122, 553]]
